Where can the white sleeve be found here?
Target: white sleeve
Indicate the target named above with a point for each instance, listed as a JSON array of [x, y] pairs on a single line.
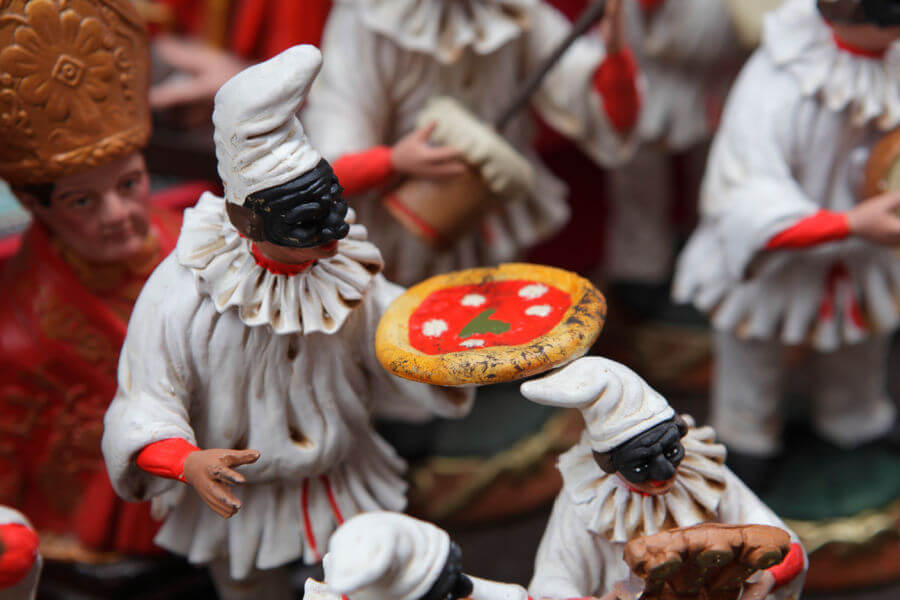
[[570, 560], [567, 99], [395, 397], [750, 192], [155, 381]]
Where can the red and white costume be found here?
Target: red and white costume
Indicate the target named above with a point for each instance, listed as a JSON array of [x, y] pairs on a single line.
[[384, 60], [768, 265], [20, 561]]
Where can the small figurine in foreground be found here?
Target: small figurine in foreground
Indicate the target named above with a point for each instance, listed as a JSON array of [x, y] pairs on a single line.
[[20, 561], [639, 469], [252, 346], [390, 556], [791, 251]]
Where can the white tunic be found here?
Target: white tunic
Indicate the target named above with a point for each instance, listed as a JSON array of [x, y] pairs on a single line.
[[596, 514], [794, 139], [224, 354], [27, 588], [689, 53], [383, 59]]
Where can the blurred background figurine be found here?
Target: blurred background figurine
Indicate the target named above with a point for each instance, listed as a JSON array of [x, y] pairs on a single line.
[[639, 469], [20, 560], [253, 344], [75, 118]]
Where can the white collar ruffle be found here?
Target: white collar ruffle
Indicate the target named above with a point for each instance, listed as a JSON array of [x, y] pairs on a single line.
[[317, 300], [444, 29], [609, 508], [798, 39]]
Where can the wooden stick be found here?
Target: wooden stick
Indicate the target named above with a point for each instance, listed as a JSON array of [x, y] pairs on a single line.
[[591, 15]]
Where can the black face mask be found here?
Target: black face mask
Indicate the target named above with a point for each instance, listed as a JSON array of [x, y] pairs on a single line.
[[306, 212], [883, 13], [653, 455], [452, 583]]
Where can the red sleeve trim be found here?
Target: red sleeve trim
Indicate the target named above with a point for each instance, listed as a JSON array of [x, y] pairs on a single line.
[[792, 565], [20, 550], [820, 228], [616, 82], [365, 170], [166, 458]]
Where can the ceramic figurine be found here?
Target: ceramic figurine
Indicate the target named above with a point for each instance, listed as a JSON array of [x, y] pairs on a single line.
[[639, 469], [384, 555], [249, 359], [73, 121], [689, 53], [791, 252], [20, 561], [374, 112]]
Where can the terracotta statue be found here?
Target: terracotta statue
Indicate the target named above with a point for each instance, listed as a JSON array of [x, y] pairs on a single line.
[[20, 561], [639, 469], [73, 91], [249, 359], [790, 252], [384, 555], [370, 113]]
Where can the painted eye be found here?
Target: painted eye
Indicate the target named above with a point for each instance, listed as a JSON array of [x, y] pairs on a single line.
[[672, 452], [641, 468]]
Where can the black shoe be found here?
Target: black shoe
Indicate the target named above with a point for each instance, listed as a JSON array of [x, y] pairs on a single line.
[[756, 471]]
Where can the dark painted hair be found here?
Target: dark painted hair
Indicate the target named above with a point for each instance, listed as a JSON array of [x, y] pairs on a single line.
[[884, 13], [42, 191]]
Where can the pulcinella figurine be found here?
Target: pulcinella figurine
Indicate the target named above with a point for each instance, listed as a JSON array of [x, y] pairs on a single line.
[[383, 555], [252, 345], [638, 470], [790, 252]]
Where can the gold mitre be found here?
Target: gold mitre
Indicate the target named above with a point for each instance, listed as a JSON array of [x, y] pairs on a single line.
[[74, 77]]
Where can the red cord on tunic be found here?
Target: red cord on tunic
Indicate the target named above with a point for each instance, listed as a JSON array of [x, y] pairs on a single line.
[[792, 565], [616, 82], [20, 550], [166, 458], [360, 172], [820, 228]]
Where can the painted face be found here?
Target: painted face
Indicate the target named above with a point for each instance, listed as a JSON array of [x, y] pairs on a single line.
[[102, 214], [649, 461]]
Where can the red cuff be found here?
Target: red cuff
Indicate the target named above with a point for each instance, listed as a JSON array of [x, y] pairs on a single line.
[[792, 565], [616, 82], [166, 458], [19, 546], [363, 171], [822, 227]]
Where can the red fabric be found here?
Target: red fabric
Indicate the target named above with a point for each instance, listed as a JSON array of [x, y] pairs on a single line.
[[59, 347], [279, 268], [820, 228], [792, 565], [260, 29], [856, 50], [650, 5], [361, 172], [19, 546], [166, 458], [616, 82]]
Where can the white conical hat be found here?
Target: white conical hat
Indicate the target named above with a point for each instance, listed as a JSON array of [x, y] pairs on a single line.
[[615, 402], [381, 554], [260, 142]]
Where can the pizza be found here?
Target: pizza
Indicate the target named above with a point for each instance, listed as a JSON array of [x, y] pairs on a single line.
[[489, 325]]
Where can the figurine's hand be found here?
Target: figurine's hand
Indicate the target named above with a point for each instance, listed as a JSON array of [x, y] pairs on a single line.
[[624, 590], [876, 219], [760, 588], [414, 156], [210, 471], [612, 27]]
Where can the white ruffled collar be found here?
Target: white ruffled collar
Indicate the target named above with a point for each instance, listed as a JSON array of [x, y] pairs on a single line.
[[609, 508], [797, 39], [443, 29], [317, 300]]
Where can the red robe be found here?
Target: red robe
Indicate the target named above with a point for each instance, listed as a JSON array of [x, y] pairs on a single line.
[[62, 325]]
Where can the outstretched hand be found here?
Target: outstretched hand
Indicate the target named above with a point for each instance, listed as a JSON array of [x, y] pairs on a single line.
[[877, 219], [412, 155], [612, 27], [210, 472]]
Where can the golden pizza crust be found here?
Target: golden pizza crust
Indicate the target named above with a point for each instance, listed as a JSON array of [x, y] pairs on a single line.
[[571, 338]]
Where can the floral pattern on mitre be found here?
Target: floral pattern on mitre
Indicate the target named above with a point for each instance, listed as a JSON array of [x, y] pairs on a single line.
[[797, 39], [444, 30], [64, 61], [317, 300], [610, 508]]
